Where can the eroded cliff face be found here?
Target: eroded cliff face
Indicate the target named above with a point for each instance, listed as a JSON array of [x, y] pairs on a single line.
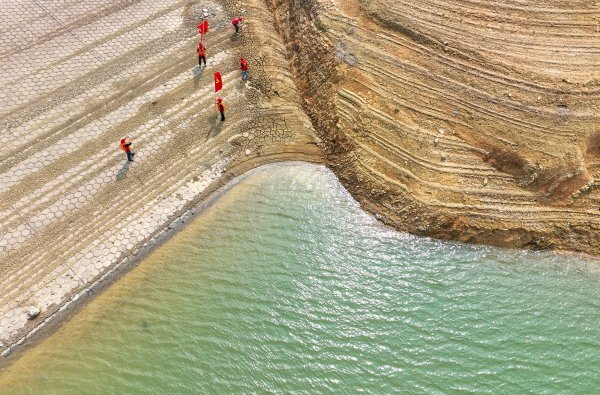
[[475, 121]]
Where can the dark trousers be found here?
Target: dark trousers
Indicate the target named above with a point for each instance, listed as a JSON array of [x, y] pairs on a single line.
[[222, 115], [237, 28], [129, 155], [200, 59]]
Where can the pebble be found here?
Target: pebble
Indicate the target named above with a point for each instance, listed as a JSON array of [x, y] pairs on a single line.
[[33, 312], [443, 156], [486, 181], [245, 134], [436, 141], [248, 152]]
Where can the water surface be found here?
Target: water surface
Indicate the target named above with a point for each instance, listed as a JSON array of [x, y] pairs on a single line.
[[285, 286]]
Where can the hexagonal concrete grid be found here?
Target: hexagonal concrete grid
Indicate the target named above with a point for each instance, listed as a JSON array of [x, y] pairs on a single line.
[[78, 76]]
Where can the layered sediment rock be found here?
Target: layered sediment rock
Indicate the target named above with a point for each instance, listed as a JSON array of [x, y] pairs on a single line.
[[471, 120]]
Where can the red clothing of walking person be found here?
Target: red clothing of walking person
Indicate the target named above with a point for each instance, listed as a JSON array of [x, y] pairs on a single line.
[[126, 146], [245, 69], [236, 23], [221, 107], [201, 54]]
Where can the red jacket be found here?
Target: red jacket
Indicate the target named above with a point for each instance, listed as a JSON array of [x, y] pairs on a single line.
[[201, 49], [235, 21], [244, 64], [125, 146]]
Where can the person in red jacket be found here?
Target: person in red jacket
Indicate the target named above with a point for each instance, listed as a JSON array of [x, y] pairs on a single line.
[[236, 23], [221, 107], [201, 54], [126, 146], [245, 69]]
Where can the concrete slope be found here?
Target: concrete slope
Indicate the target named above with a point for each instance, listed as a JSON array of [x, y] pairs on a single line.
[[75, 78]]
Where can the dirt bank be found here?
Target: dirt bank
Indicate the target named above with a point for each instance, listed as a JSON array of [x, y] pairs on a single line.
[[444, 129]]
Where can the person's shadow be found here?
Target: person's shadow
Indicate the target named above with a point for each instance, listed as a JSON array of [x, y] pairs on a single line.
[[122, 173], [197, 71], [215, 125]]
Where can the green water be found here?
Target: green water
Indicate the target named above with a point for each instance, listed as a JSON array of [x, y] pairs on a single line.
[[285, 287]]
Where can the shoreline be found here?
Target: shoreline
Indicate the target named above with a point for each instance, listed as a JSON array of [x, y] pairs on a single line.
[[205, 200], [75, 302], [242, 278]]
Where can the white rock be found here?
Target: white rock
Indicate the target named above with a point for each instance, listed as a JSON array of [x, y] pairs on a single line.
[[245, 134], [486, 181], [33, 312], [436, 141], [248, 152]]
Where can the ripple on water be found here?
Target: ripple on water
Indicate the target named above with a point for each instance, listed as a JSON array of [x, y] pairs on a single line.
[[285, 286]]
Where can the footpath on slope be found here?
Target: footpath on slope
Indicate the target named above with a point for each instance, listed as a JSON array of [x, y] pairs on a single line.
[[76, 78]]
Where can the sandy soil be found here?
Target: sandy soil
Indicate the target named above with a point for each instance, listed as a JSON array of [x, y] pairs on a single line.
[[468, 120]]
